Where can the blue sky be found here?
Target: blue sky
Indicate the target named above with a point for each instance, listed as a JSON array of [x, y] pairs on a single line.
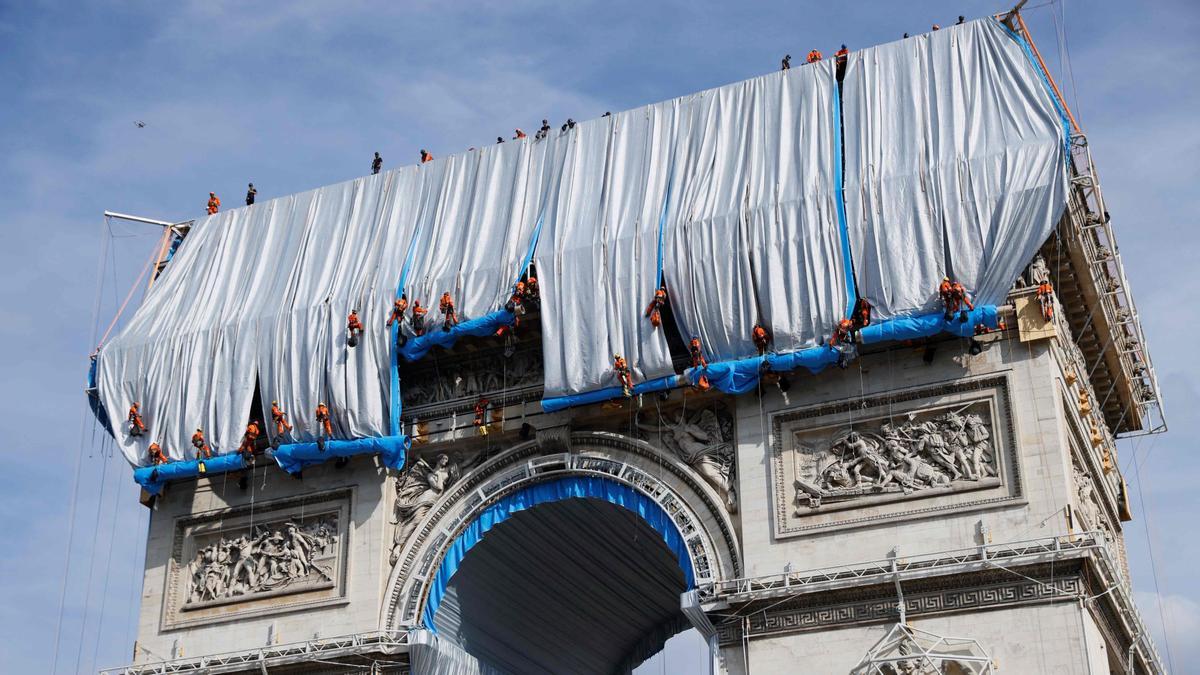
[[299, 94]]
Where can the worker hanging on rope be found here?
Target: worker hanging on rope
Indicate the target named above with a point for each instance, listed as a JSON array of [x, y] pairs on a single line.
[[533, 296], [249, 439], [354, 328], [399, 307], [425, 156], [843, 341], [814, 56], [156, 454], [508, 331], [136, 428], [214, 203], [251, 193], [623, 376], [280, 419], [786, 63], [418, 318], [325, 428], [449, 316], [954, 296], [516, 301], [761, 338], [481, 407], [202, 449], [696, 352], [861, 316], [1045, 296], [840, 57], [654, 309]]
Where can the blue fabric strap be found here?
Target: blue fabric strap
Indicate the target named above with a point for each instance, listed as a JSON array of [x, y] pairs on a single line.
[[293, 457], [417, 347], [601, 489], [152, 478]]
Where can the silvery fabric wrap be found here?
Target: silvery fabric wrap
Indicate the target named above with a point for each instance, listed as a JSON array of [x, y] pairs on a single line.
[[598, 253], [478, 225], [752, 233], [955, 165]]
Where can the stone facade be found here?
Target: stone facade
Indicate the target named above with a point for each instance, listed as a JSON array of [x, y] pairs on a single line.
[[896, 456]]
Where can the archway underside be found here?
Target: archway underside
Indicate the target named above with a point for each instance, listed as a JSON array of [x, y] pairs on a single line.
[[574, 586]]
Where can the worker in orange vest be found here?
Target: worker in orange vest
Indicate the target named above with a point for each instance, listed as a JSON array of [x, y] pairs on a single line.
[[323, 420], [214, 203], [520, 134], [862, 314], [425, 156], [814, 56], [202, 449], [418, 318], [280, 419], [842, 340], [450, 317], [840, 58], [654, 309], [156, 454], [1045, 296], [761, 338], [480, 416], [954, 296], [623, 376], [399, 307], [696, 351], [136, 428], [249, 438], [354, 327]]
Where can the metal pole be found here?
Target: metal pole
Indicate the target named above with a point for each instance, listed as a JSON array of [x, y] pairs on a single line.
[[137, 219]]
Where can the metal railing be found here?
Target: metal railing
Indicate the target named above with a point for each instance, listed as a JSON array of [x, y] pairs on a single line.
[[357, 645]]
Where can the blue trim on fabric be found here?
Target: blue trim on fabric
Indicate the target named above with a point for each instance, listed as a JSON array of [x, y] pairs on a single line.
[[575, 487], [418, 347], [928, 325], [742, 375], [93, 396], [152, 478], [1063, 119], [396, 411], [840, 199], [293, 457], [537, 235], [556, 403]]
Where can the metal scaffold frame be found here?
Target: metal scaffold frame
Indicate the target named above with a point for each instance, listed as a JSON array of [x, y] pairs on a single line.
[[360, 645], [1089, 546]]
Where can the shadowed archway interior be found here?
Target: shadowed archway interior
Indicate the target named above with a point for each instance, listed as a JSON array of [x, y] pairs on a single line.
[[573, 586]]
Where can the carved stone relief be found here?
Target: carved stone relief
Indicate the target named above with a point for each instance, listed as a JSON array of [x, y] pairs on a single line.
[[702, 439], [419, 488], [466, 379], [893, 456], [245, 561], [264, 558], [921, 451]]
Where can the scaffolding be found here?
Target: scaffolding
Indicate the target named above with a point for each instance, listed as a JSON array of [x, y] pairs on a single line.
[[905, 650]]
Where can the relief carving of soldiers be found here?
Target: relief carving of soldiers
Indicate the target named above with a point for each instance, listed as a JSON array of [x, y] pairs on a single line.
[[911, 455], [269, 559]]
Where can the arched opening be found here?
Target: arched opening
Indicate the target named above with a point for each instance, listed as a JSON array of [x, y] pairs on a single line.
[[579, 575]]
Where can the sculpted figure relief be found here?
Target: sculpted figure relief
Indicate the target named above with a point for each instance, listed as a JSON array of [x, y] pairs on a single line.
[[269, 558], [418, 490], [471, 379], [912, 455], [705, 442]]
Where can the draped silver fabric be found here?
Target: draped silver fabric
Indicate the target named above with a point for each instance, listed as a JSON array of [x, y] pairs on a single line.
[[955, 165]]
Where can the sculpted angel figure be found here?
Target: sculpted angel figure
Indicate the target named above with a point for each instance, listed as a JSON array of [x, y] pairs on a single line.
[[416, 493], [700, 443]]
